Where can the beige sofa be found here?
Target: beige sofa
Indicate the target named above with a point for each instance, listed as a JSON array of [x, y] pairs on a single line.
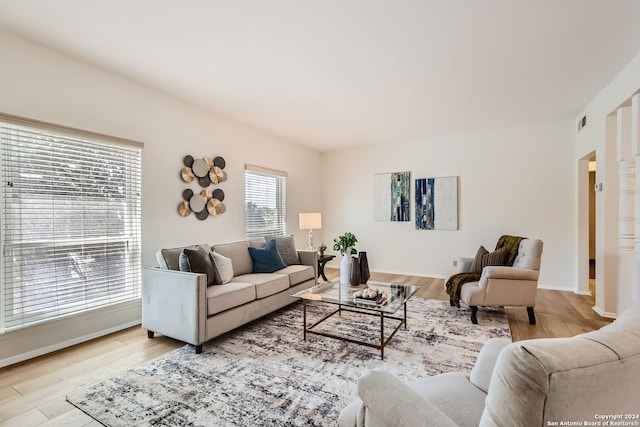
[[183, 306], [542, 382]]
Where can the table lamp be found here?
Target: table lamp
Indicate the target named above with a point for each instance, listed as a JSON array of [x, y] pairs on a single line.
[[311, 221]]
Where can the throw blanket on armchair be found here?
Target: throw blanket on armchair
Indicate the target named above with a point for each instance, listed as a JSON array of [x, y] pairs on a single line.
[[455, 282]]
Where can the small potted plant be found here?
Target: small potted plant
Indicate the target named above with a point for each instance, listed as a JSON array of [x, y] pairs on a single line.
[[322, 248]]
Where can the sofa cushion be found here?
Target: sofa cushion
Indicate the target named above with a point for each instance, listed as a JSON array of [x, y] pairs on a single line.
[[260, 242], [265, 283], [454, 395], [287, 248], [229, 295], [238, 252], [197, 260], [170, 258], [223, 268], [267, 259], [484, 258], [297, 273]]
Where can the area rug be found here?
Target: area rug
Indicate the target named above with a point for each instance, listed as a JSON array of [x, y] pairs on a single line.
[[264, 374]]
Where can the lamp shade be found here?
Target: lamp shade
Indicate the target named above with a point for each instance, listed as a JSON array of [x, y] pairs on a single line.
[[310, 220]]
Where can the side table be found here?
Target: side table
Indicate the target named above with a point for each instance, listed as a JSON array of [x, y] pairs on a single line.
[[322, 260]]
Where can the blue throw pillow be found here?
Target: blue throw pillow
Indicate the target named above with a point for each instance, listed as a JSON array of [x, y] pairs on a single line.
[[267, 259]]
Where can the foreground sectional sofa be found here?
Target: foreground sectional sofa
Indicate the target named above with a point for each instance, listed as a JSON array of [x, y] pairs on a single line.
[[194, 307]]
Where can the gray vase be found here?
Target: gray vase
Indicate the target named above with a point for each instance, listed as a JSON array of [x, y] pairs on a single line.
[[364, 267], [355, 272]]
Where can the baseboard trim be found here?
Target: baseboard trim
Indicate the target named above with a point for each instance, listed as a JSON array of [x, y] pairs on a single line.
[[404, 273], [59, 346], [603, 313], [555, 288]]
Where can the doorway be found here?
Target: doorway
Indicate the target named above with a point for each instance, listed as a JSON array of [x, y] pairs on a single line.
[[592, 225]]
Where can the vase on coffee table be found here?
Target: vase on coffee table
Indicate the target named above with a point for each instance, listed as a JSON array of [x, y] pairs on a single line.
[[355, 271], [364, 267], [345, 267]]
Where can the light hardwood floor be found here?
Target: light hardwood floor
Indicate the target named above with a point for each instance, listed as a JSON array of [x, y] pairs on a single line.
[[32, 393]]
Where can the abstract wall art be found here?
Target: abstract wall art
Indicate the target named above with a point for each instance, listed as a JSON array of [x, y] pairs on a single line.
[[437, 203], [391, 196]]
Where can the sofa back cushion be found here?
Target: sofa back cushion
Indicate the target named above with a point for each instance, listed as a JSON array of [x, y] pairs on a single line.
[[529, 253], [238, 252], [542, 381], [287, 248]]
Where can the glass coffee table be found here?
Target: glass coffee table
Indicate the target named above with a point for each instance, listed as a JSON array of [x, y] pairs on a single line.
[[344, 297]]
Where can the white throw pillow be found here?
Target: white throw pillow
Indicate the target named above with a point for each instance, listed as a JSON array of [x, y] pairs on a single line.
[[224, 267]]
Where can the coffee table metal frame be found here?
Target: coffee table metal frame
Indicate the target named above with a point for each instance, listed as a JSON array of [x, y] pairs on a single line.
[[399, 295]]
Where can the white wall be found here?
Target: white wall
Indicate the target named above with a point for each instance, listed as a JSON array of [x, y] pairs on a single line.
[[512, 181], [38, 83], [599, 137]]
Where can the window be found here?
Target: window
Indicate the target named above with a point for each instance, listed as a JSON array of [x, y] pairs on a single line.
[[265, 201], [70, 222]]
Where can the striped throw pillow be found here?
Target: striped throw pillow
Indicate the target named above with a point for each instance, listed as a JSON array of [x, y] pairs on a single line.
[[485, 258]]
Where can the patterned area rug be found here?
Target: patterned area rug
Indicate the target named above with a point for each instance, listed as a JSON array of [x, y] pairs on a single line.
[[265, 374]]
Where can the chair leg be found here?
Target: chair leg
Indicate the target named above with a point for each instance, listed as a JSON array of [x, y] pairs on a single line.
[[199, 349], [149, 334], [474, 311], [532, 316]]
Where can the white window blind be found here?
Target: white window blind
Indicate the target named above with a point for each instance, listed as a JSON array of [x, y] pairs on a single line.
[[70, 221], [265, 201]]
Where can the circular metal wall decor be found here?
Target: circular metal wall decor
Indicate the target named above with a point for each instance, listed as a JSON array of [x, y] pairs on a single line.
[[205, 171], [183, 209], [187, 174]]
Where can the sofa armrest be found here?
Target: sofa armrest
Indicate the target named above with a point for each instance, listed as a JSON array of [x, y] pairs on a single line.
[[389, 402], [174, 304], [513, 273], [483, 369], [309, 258]]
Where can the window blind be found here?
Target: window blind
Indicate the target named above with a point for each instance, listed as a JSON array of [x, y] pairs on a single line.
[[70, 221], [265, 201]]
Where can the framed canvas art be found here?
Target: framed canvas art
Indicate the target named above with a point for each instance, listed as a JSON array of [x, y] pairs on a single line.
[[436, 203]]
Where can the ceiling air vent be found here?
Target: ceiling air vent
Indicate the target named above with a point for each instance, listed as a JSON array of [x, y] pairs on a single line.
[[582, 122]]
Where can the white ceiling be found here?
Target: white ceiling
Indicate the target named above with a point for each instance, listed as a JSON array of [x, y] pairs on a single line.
[[336, 73]]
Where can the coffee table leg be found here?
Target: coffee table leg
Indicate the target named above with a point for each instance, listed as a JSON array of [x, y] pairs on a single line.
[[382, 335], [304, 319], [405, 315]]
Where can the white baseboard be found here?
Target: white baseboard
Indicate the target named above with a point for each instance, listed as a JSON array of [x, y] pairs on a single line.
[[59, 346], [603, 313]]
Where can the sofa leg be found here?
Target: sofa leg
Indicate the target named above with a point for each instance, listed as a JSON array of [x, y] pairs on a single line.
[[150, 334], [474, 311], [199, 349], [532, 316]]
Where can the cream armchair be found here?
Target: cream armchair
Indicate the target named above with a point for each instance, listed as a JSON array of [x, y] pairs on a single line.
[[503, 285], [538, 382]]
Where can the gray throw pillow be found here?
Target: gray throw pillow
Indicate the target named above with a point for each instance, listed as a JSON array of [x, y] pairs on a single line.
[[485, 258], [197, 260], [287, 248]]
